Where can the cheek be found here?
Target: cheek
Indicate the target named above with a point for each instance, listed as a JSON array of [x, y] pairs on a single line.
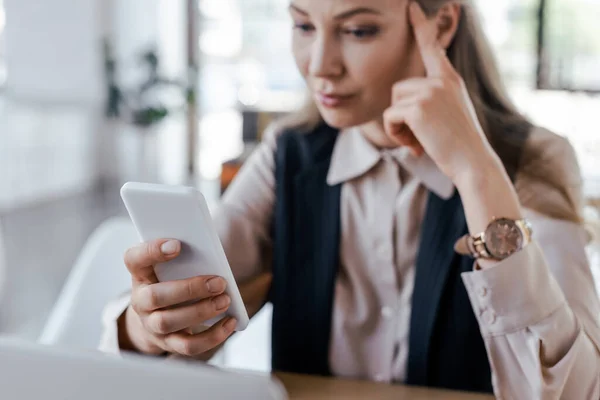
[[301, 52]]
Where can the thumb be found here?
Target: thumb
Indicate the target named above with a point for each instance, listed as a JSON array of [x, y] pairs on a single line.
[[254, 292]]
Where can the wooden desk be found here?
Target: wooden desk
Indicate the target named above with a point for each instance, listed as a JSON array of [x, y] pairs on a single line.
[[302, 387]]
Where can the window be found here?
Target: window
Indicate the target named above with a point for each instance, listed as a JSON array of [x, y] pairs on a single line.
[[511, 26], [247, 74], [245, 48], [569, 49]]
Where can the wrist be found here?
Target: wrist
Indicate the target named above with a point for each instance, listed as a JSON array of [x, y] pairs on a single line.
[[487, 193]]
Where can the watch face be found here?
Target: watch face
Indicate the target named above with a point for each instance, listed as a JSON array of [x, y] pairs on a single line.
[[503, 238]]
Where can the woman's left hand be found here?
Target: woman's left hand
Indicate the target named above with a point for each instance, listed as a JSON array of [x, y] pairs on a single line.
[[435, 114]]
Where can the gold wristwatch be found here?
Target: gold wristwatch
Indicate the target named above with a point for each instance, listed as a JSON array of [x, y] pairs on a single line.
[[502, 238]]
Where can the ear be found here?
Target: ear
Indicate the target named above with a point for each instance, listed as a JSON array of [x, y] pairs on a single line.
[[447, 20]]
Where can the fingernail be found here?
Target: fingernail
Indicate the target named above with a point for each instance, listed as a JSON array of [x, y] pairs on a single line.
[[170, 247], [216, 285], [230, 325], [222, 302]]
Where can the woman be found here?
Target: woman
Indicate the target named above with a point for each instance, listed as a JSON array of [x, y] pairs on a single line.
[[409, 147]]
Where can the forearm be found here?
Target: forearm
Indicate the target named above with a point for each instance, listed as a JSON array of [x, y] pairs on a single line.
[[487, 193]]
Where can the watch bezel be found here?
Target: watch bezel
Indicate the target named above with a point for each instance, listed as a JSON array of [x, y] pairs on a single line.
[[488, 233]]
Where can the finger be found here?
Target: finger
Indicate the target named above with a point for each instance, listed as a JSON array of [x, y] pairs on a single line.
[[412, 100], [394, 122], [426, 32], [194, 345], [164, 322], [168, 294], [140, 260], [397, 129], [414, 86], [417, 150], [407, 139]]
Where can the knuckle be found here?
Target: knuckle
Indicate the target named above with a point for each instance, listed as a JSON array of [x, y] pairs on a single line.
[[387, 114], [187, 347], [157, 323], [136, 303], [437, 89], [417, 112], [129, 256], [136, 308], [392, 114], [153, 252], [150, 298], [204, 309], [219, 337], [191, 287], [428, 96]]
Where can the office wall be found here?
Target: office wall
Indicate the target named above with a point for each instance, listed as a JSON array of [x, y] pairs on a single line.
[[53, 50], [54, 47]]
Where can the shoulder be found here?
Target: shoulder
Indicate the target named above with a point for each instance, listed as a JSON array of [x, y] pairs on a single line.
[[549, 179]]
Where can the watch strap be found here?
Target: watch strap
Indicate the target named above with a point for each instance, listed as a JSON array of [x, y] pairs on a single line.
[[475, 245]]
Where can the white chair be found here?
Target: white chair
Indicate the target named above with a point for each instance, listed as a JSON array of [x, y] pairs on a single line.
[[97, 277]]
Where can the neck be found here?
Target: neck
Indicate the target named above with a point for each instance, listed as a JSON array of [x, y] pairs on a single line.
[[374, 132]]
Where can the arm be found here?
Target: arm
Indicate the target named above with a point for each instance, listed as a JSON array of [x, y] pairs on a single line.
[[242, 221], [538, 310]]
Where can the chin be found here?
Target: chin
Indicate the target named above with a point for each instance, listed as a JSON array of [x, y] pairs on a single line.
[[342, 118]]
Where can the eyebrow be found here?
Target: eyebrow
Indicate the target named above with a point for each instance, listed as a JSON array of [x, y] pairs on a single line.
[[345, 14]]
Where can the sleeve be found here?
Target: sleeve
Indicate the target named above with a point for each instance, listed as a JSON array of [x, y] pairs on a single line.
[[109, 341], [538, 314], [538, 310], [242, 220]]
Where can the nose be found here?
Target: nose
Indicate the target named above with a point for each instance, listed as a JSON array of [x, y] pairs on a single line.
[[326, 60]]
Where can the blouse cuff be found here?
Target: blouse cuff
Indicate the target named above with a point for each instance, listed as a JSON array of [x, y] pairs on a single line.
[[516, 293], [110, 336]]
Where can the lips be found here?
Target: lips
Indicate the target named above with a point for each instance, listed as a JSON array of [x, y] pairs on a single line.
[[332, 99]]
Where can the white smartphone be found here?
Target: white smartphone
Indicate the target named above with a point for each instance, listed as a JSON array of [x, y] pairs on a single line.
[[180, 212]]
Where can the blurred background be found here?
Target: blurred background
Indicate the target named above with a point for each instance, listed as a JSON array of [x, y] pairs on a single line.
[[94, 93]]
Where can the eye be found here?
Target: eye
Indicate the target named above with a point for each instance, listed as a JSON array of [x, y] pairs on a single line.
[[304, 28], [363, 32]]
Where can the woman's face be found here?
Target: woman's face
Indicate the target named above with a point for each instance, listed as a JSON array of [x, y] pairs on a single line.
[[351, 52]]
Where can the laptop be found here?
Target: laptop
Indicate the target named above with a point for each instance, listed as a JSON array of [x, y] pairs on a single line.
[[30, 371]]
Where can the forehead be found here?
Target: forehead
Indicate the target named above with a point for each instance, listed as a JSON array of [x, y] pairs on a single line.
[[331, 8]]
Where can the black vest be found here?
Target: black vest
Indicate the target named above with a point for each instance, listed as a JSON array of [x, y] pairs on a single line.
[[445, 345]]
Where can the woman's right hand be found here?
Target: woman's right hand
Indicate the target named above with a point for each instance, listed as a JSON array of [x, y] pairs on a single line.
[[161, 313]]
